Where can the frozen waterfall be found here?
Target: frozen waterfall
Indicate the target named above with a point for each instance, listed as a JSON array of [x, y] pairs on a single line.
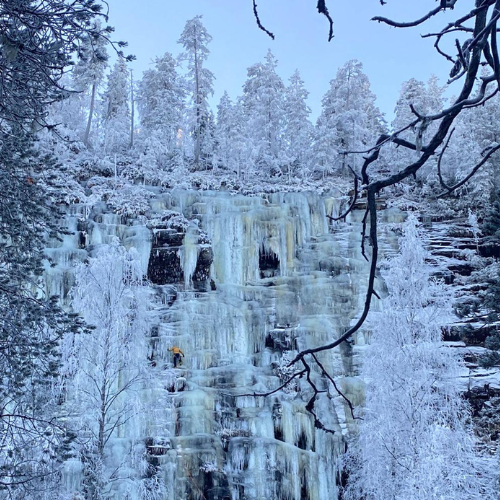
[[271, 275]]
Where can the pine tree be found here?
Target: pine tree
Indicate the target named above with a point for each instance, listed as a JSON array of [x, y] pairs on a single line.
[[89, 71], [263, 105], [37, 46], [412, 93], [325, 147], [31, 325], [160, 99], [349, 117], [116, 117], [297, 135], [414, 440], [195, 39], [229, 136]]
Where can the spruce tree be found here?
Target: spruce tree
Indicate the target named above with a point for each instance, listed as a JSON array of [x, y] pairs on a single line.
[[263, 105], [31, 324], [297, 134], [195, 39], [116, 110], [349, 116], [89, 70], [160, 99]]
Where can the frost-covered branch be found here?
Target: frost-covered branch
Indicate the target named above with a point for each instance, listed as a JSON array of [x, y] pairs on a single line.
[[487, 156]]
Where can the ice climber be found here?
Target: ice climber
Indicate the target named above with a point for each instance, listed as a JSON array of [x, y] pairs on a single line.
[[177, 355]]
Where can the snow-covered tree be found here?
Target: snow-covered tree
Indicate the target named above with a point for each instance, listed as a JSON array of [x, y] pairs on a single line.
[[412, 93], [462, 153], [298, 130], [223, 133], [116, 110], [325, 148], [195, 39], [426, 99], [88, 72], [229, 136], [414, 440], [350, 120], [105, 365], [31, 325], [160, 99], [484, 130], [263, 102], [37, 46]]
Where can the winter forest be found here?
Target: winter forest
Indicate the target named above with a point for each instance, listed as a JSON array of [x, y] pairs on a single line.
[[241, 302]]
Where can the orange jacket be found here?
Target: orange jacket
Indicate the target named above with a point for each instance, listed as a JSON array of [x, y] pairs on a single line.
[[176, 350]]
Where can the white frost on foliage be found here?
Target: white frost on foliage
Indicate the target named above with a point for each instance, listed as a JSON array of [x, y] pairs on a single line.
[[415, 442]]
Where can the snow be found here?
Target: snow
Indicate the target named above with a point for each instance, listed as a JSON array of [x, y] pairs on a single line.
[[265, 447]]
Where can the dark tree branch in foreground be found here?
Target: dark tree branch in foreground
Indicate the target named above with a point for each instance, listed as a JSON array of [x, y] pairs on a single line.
[[322, 9], [480, 49], [441, 180], [487, 156], [410, 24], [257, 18]]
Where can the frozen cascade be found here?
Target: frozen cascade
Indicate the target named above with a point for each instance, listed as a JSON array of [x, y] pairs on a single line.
[[279, 277]]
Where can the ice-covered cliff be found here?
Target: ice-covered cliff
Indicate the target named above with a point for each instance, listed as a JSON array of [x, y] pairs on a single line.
[[239, 284]]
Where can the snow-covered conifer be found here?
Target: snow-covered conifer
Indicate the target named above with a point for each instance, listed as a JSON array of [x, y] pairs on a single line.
[[263, 103], [31, 325], [88, 72], [229, 136], [116, 112], [349, 118], [426, 100], [297, 135], [160, 99], [195, 39], [414, 440]]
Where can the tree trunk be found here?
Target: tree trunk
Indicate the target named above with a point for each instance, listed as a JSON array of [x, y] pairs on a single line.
[[197, 101], [132, 110], [91, 113]]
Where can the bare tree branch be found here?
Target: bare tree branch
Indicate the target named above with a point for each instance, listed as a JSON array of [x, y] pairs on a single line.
[[354, 199], [339, 392], [322, 9], [410, 24], [441, 181], [282, 386], [310, 404], [257, 18], [472, 172]]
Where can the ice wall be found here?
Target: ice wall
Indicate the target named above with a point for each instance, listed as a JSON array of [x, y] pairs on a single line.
[[282, 277]]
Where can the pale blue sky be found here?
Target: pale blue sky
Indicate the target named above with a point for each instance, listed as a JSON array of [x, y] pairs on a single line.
[[390, 56]]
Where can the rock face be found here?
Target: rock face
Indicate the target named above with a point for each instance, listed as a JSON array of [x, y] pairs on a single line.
[[239, 284], [174, 238]]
